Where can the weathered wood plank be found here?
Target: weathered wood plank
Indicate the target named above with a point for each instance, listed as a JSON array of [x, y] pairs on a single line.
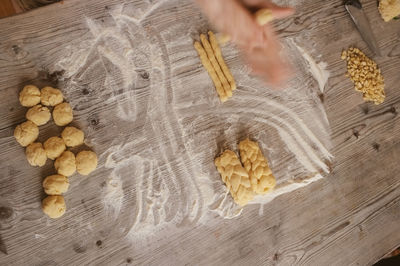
[[333, 221]]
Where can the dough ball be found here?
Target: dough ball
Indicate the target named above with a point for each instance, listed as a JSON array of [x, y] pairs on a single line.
[[62, 114], [54, 206], [55, 184], [54, 146], [29, 96], [26, 133], [86, 162], [72, 136], [50, 96], [38, 114], [65, 164], [35, 154]]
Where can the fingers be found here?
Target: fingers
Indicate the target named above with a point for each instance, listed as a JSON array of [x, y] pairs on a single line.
[[229, 17], [269, 61], [259, 43], [282, 12]]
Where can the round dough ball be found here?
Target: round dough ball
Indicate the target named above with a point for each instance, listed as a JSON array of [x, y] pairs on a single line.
[[26, 133], [62, 114], [86, 162], [54, 146], [55, 184], [29, 96], [50, 96], [38, 114], [35, 154], [65, 164], [72, 136], [54, 206]]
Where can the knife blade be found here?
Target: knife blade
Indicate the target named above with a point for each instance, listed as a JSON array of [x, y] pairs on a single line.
[[354, 8]]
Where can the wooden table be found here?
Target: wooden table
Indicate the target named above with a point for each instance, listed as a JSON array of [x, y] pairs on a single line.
[[350, 217]]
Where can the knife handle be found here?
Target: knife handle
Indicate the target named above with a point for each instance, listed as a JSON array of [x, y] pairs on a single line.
[[355, 3]]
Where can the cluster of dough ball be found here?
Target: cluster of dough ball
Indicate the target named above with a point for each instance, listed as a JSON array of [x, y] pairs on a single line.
[[245, 182], [54, 148]]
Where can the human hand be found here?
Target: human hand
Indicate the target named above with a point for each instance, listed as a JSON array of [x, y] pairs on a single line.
[[258, 43]]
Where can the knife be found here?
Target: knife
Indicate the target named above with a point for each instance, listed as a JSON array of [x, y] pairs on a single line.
[[359, 18]]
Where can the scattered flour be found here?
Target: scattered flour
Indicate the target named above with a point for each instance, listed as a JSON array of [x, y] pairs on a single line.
[[165, 176], [318, 70]]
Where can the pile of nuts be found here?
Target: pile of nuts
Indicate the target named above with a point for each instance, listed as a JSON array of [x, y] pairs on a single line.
[[55, 147], [365, 75]]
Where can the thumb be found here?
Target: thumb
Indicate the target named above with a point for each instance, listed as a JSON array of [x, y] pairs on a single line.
[[281, 12]]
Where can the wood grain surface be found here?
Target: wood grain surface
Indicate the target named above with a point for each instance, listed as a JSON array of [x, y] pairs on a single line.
[[350, 217]]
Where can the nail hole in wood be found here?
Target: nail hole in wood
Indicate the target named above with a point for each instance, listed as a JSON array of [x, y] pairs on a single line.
[[16, 49], [145, 75], [365, 109], [376, 146], [94, 122], [78, 248]]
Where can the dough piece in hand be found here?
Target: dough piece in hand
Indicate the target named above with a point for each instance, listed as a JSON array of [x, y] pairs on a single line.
[[86, 162], [35, 154], [65, 164], [62, 114], [51, 96], [26, 133], [389, 9], [54, 146], [262, 180], [55, 184], [38, 114], [72, 136], [54, 206], [29, 96], [264, 16], [211, 71], [221, 61], [235, 177]]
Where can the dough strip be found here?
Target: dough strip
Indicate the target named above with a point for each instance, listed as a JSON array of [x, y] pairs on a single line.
[[221, 61], [211, 71], [216, 66]]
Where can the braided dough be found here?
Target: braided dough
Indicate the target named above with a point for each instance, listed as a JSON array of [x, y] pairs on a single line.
[[235, 177], [262, 180]]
